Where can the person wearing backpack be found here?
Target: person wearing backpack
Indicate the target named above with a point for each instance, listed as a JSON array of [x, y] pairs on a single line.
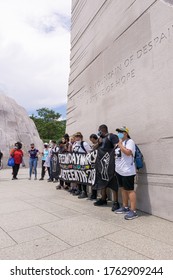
[[81, 146], [126, 171]]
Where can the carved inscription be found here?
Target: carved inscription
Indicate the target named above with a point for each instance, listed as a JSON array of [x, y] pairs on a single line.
[[124, 71]]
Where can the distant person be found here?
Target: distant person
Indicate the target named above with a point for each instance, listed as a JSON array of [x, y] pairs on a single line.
[[17, 154], [45, 155], [81, 146], [94, 140], [33, 159], [61, 146], [1, 156], [53, 150]]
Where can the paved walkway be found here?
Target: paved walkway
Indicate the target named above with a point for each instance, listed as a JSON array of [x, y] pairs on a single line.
[[39, 222]]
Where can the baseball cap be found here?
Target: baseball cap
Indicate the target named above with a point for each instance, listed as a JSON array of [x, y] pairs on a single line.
[[123, 129]]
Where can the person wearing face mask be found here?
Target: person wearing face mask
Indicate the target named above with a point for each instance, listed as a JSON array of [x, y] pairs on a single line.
[[106, 167], [33, 159], [81, 146], [125, 172]]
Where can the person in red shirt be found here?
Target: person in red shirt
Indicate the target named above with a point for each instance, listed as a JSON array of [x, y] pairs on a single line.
[[17, 154]]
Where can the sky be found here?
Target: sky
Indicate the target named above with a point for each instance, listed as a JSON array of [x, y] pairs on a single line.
[[35, 52]]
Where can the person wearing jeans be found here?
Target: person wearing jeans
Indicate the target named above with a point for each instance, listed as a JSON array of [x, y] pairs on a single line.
[[33, 159]]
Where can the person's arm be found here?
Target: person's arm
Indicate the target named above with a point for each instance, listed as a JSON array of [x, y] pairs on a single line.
[[12, 153], [87, 147], [123, 149]]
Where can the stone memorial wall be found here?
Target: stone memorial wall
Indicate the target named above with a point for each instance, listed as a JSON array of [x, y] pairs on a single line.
[[121, 69], [15, 125]]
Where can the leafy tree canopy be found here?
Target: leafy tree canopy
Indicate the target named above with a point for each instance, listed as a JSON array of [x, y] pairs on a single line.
[[48, 124]]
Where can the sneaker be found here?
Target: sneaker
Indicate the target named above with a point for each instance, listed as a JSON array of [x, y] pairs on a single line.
[[77, 192], [115, 206], [92, 197], [58, 187], [29, 178], [82, 195], [41, 179], [72, 191], [100, 202], [131, 215], [49, 180], [122, 210], [55, 181], [66, 187]]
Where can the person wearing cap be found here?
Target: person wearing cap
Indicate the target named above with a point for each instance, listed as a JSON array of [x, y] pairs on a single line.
[[126, 172], [33, 159], [107, 143], [45, 155]]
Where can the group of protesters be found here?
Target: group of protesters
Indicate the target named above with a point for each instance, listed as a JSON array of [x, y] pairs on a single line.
[[123, 167]]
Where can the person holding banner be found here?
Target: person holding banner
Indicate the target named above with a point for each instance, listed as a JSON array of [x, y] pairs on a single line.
[[105, 166], [95, 143], [81, 146]]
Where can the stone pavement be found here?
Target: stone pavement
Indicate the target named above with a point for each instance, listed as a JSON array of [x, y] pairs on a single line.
[[39, 222]]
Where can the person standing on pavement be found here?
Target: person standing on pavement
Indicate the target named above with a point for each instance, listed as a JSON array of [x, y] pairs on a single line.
[[81, 146], [107, 144], [126, 172], [17, 154], [33, 159], [45, 161], [95, 143], [53, 150]]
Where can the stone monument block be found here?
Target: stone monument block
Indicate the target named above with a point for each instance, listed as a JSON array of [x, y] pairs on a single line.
[[15, 125], [121, 74]]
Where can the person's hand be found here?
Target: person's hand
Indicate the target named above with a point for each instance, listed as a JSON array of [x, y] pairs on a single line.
[[120, 142]]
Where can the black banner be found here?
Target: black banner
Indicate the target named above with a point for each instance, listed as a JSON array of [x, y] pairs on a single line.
[[105, 169], [77, 167], [96, 168]]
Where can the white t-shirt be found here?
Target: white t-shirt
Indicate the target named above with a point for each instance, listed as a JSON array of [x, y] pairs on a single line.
[[78, 148], [124, 165]]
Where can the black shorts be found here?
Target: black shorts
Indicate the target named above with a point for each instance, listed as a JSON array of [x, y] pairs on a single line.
[[127, 182]]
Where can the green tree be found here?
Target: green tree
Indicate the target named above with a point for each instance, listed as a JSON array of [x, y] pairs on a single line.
[[48, 124]]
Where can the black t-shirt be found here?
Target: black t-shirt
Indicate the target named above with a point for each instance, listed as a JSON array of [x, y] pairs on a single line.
[[1, 155], [109, 141]]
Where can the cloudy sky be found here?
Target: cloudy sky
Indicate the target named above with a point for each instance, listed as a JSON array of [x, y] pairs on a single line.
[[35, 52]]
